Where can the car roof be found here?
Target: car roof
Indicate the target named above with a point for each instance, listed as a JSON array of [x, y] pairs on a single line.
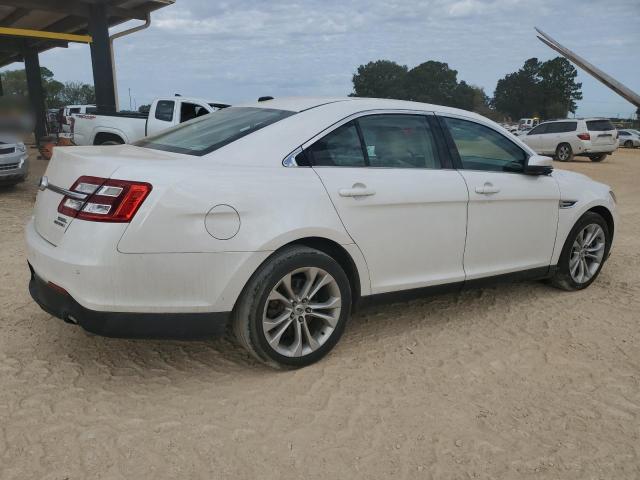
[[353, 104]]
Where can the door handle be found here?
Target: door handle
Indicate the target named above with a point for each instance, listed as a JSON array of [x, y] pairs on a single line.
[[357, 190], [487, 189]]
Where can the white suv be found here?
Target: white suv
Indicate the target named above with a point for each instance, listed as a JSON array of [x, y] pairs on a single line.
[[590, 137]]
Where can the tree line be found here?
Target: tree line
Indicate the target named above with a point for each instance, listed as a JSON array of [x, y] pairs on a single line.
[[57, 94], [543, 89]]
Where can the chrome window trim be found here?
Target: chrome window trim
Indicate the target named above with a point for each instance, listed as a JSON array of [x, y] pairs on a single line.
[[347, 119]]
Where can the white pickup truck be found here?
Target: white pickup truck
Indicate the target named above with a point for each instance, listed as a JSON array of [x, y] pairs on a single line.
[[129, 127]]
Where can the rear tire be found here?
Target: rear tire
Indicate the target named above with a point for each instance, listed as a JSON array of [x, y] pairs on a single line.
[[294, 309], [564, 152], [628, 144], [108, 139], [567, 276], [598, 158]]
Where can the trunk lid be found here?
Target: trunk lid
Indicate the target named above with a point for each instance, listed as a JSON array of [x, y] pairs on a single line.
[[70, 163]]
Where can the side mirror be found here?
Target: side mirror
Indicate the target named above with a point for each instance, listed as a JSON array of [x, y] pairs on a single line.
[[539, 165]]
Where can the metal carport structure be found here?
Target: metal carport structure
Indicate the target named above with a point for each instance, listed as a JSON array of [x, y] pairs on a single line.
[[29, 27]]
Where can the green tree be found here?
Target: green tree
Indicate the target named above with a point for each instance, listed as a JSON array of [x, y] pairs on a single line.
[[57, 94], [429, 82], [547, 89], [558, 87], [14, 82], [77, 93], [432, 82], [380, 79]]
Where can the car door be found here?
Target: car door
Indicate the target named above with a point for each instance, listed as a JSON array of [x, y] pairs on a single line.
[[512, 217], [557, 133], [535, 137], [399, 201], [161, 116]]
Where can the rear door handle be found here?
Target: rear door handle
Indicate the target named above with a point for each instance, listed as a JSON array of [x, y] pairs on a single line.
[[487, 189], [357, 190]]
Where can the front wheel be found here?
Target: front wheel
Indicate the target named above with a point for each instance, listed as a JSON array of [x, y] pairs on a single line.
[[564, 152], [598, 158], [583, 254], [628, 144], [294, 309]]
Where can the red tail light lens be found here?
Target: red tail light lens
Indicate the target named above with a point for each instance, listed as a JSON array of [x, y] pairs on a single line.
[[108, 200], [584, 136]]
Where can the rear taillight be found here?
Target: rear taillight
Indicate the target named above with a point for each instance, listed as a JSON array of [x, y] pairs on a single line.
[[584, 136], [108, 200]]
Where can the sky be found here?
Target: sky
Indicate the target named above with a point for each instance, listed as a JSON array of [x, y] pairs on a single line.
[[239, 50]]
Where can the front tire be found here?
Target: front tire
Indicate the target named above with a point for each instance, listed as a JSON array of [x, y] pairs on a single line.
[[294, 309], [628, 144], [584, 253], [564, 152]]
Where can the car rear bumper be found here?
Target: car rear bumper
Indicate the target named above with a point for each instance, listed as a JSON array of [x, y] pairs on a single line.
[[610, 148], [59, 303]]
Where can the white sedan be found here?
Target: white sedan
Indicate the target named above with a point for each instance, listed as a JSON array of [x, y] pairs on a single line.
[[279, 217]]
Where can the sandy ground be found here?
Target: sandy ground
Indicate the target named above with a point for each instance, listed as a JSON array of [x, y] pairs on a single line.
[[519, 381]]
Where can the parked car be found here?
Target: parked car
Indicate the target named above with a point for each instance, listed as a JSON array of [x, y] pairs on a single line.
[[590, 137], [280, 216], [14, 162], [129, 127], [66, 114], [528, 123], [629, 138]]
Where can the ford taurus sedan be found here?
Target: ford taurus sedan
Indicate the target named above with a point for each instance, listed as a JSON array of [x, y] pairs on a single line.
[[277, 218]]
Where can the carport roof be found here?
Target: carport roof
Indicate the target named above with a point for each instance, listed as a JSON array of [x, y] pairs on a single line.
[[62, 16]]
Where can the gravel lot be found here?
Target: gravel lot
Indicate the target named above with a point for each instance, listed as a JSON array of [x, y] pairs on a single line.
[[516, 381]]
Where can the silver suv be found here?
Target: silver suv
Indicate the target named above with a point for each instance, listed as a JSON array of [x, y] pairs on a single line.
[[13, 160], [589, 137]]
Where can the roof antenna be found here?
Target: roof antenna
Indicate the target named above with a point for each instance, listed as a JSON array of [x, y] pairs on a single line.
[[264, 99]]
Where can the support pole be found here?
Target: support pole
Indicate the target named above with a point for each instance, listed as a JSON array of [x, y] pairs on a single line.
[[101, 58], [36, 92]]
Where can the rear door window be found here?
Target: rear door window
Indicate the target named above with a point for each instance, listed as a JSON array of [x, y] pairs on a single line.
[[562, 127], [340, 148], [164, 110], [399, 141], [599, 125], [540, 129]]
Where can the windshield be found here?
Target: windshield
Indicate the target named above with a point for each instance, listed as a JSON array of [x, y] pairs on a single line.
[[208, 133]]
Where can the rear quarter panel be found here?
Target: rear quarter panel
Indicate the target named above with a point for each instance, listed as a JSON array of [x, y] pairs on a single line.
[[274, 205]]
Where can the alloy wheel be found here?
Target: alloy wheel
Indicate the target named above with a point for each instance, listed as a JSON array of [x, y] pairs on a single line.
[[587, 253], [563, 153], [301, 311]]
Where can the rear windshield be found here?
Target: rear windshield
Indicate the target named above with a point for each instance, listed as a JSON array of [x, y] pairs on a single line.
[[210, 132], [599, 125]]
